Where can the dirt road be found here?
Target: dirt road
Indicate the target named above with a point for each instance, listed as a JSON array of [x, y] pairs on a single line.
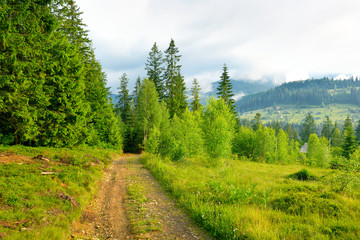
[[108, 215]]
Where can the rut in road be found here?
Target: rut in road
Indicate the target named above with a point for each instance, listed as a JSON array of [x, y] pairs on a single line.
[[107, 216]]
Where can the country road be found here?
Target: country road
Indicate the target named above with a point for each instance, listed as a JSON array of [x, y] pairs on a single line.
[[107, 217]]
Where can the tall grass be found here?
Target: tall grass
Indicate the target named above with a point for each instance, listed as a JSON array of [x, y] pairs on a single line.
[[247, 200], [38, 206]]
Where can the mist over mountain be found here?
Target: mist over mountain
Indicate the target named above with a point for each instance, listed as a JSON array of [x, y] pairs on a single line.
[[312, 92]]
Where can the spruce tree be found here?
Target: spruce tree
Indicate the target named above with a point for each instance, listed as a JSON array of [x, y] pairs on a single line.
[[195, 104], [123, 106], [96, 92], [224, 90], [55, 82], [349, 144], [155, 69], [327, 128], [308, 127], [256, 121], [136, 92], [175, 86], [357, 132]]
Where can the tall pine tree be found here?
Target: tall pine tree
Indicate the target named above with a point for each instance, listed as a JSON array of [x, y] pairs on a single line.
[[308, 127], [224, 90], [327, 128], [174, 81], [123, 106], [155, 68], [195, 104], [349, 144]]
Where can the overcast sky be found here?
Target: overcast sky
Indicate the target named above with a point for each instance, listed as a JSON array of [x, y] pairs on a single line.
[[280, 40]]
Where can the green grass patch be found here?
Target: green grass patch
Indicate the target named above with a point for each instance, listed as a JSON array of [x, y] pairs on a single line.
[[141, 220], [249, 200], [41, 195]]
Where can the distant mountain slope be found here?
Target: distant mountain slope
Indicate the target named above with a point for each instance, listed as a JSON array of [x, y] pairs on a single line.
[[246, 86], [314, 92], [240, 88]]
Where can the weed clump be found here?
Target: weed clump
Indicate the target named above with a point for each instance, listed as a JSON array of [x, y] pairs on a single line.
[[303, 175]]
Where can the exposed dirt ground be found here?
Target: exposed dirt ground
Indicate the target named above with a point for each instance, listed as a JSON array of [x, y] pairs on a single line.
[[106, 217]]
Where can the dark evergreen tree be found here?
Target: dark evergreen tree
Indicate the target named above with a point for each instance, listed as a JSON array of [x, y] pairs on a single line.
[[51, 82], [175, 85], [308, 127], [136, 92], [357, 130], [292, 133], [224, 90], [327, 128], [123, 106], [256, 122], [347, 124], [155, 68], [195, 104], [349, 143]]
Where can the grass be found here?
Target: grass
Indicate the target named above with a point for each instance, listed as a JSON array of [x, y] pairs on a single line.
[[296, 114], [43, 206], [248, 200], [141, 220]]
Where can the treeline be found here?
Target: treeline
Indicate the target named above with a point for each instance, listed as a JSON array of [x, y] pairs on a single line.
[[304, 93], [157, 117], [52, 89]]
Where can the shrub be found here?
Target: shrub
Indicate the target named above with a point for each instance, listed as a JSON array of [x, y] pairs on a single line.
[[303, 175]]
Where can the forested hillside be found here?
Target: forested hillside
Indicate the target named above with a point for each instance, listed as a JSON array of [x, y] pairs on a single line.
[[52, 89], [304, 93]]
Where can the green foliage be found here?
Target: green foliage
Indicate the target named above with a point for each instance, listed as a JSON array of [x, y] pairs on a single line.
[[349, 143], [256, 122], [149, 112], [336, 138], [348, 176], [224, 90], [155, 69], [218, 128], [308, 127], [303, 175], [153, 142], [244, 142], [123, 107], [327, 128], [186, 139], [318, 152], [282, 147], [357, 132], [195, 104], [265, 142], [175, 85], [52, 88]]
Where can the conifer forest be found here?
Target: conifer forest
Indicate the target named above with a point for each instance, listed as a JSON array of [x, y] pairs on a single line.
[[236, 178]]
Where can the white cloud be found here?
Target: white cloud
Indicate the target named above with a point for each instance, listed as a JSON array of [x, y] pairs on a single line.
[[257, 39]]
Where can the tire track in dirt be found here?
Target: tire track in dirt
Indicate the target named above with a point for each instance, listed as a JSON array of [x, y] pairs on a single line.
[[106, 217]]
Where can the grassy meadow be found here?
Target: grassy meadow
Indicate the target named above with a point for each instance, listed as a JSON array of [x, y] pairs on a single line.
[[43, 190], [296, 114], [239, 199]]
